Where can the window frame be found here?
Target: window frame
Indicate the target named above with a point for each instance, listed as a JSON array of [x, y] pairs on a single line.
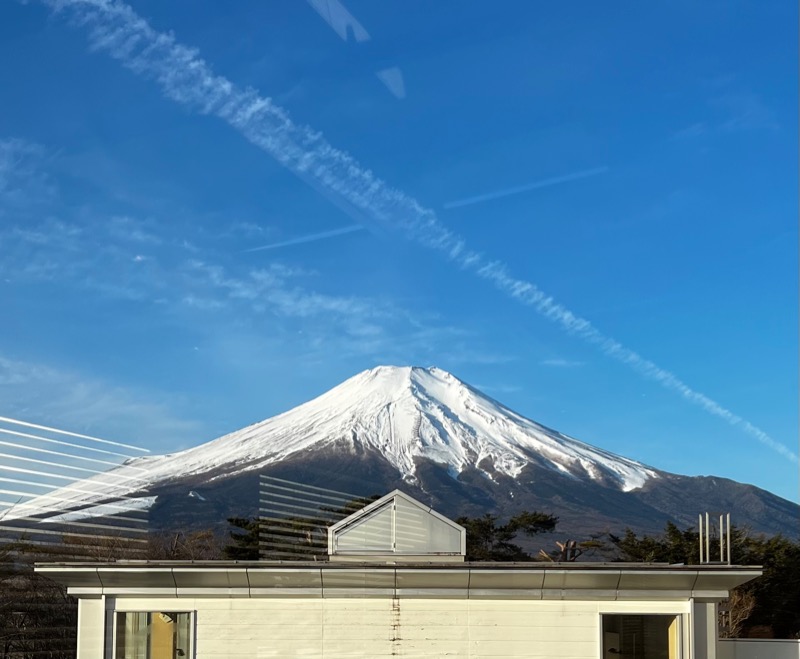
[[112, 627], [681, 617]]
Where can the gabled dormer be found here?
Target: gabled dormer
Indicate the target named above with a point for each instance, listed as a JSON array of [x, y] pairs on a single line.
[[396, 528]]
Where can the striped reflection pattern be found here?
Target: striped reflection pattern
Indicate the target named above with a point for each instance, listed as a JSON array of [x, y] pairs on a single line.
[[294, 517], [42, 468]]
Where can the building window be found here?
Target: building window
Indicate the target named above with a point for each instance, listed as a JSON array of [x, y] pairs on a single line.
[[152, 635], [641, 637]]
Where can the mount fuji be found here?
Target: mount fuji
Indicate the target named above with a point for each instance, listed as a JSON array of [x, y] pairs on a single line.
[[429, 433]]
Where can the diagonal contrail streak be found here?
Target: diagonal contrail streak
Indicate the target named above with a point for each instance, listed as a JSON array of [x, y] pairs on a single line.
[[536, 185], [311, 238], [184, 77]]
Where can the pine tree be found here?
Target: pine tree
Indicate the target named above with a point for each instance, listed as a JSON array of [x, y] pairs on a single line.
[[489, 541]]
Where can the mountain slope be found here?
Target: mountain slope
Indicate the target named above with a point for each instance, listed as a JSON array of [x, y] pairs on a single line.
[[424, 430]]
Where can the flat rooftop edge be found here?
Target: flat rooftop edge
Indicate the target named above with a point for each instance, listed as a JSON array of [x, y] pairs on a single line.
[[350, 565]]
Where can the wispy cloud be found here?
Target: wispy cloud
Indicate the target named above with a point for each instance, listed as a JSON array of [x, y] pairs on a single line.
[[103, 257], [133, 230], [697, 129], [536, 185], [147, 261], [562, 363], [498, 389], [22, 181], [731, 110], [98, 254], [185, 77], [274, 289], [745, 110], [247, 230], [64, 398], [310, 238]]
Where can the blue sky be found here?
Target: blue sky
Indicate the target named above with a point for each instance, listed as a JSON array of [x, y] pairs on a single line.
[[209, 215]]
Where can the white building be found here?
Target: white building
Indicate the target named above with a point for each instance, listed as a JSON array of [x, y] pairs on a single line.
[[396, 585]]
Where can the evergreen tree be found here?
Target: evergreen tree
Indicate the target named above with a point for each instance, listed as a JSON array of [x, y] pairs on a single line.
[[245, 537], [489, 541]]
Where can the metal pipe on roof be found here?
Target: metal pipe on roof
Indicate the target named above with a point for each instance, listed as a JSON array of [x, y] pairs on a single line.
[[700, 535], [729, 538]]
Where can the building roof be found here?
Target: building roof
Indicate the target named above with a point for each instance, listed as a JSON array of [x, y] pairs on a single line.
[[610, 581], [394, 548]]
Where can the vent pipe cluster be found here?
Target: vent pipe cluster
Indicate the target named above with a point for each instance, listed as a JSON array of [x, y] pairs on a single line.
[[704, 526]]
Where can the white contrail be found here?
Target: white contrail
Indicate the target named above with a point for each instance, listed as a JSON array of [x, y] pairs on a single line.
[[186, 78], [301, 240], [17, 422], [507, 192]]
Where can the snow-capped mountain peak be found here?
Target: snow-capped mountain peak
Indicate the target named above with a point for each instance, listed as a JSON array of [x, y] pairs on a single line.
[[404, 413]]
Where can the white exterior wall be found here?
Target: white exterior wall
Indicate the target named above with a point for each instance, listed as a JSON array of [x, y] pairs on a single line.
[[758, 649], [91, 627], [334, 628]]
